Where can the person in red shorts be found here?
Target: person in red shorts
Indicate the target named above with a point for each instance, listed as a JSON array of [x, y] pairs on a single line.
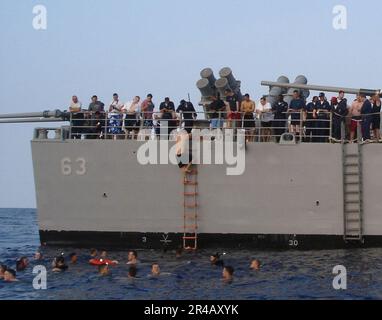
[[355, 112], [234, 106]]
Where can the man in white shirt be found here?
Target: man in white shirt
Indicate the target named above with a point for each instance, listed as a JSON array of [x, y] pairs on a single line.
[[115, 116], [77, 117], [131, 121], [265, 115]]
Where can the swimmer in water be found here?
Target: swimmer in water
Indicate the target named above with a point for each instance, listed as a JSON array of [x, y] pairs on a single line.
[[255, 265], [215, 260], [132, 272], [132, 258], [104, 270], [73, 258], [59, 264], [3, 268], [155, 270], [22, 264], [37, 256], [93, 254], [103, 256], [228, 274], [10, 275]]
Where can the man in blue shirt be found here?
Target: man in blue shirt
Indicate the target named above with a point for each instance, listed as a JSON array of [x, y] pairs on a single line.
[[295, 109], [322, 114], [280, 110], [310, 121], [366, 112]]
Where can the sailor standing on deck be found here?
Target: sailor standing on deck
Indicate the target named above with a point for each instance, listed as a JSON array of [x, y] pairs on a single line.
[[322, 112], [115, 115], [77, 117], [310, 120], [340, 111], [188, 113], [96, 108], [280, 109], [366, 112], [295, 108]]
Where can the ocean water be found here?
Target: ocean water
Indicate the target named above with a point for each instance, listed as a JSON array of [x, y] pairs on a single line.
[[284, 274]]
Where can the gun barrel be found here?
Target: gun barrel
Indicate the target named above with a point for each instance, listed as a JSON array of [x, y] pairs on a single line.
[[44, 114], [30, 120], [368, 92]]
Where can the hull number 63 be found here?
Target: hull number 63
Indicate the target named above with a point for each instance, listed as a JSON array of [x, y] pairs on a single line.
[[77, 167]]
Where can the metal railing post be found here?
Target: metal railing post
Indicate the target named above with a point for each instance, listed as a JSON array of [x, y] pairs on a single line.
[[331, 126], [70, 126], [106, 120]]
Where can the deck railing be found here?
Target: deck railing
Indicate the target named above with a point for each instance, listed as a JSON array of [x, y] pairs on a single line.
[[265, 127]]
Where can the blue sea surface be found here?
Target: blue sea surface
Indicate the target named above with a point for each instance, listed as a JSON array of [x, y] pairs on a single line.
[[284, 274]]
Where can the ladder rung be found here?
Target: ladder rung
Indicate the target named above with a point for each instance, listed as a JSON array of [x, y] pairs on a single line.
[[351, 174], [190, 248], [189, 238], [352, 211], [191, 216], [352, 155], [351, 164], [352, 183], [194, 227], [192, 173], [190, 183], [191, 206], [352, 202], [353, 229], [190, 194], [353, 237], [353, 192], [353, 220]]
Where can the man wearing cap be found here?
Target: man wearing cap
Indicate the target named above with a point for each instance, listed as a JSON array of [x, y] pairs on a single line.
[[188, 113], [322, 112], [340, 111], [310, 120], [234, 105], [280, 109], [167, 110]]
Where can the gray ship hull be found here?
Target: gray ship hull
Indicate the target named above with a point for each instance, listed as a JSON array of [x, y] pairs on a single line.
[[95, 193]]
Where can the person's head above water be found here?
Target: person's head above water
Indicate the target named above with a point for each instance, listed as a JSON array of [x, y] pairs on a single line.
[[132, 257], [59, 264], [155, 270], [38, 255], [73, 257], [228, 273], [214, 257], [22, 263], [10, 275], [103, 254], [255, 264], [215, 260], [93, 252], [3, 268]]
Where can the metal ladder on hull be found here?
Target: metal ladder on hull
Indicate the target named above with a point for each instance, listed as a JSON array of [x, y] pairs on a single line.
[[352, 192], [190, 197]]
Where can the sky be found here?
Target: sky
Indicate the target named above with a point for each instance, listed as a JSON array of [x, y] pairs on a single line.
[[135, 47]]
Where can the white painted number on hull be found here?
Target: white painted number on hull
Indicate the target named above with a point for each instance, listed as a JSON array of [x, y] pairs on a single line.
[[79, 166]]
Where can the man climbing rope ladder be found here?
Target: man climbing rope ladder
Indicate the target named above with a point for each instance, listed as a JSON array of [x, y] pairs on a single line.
[[184, 151]]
